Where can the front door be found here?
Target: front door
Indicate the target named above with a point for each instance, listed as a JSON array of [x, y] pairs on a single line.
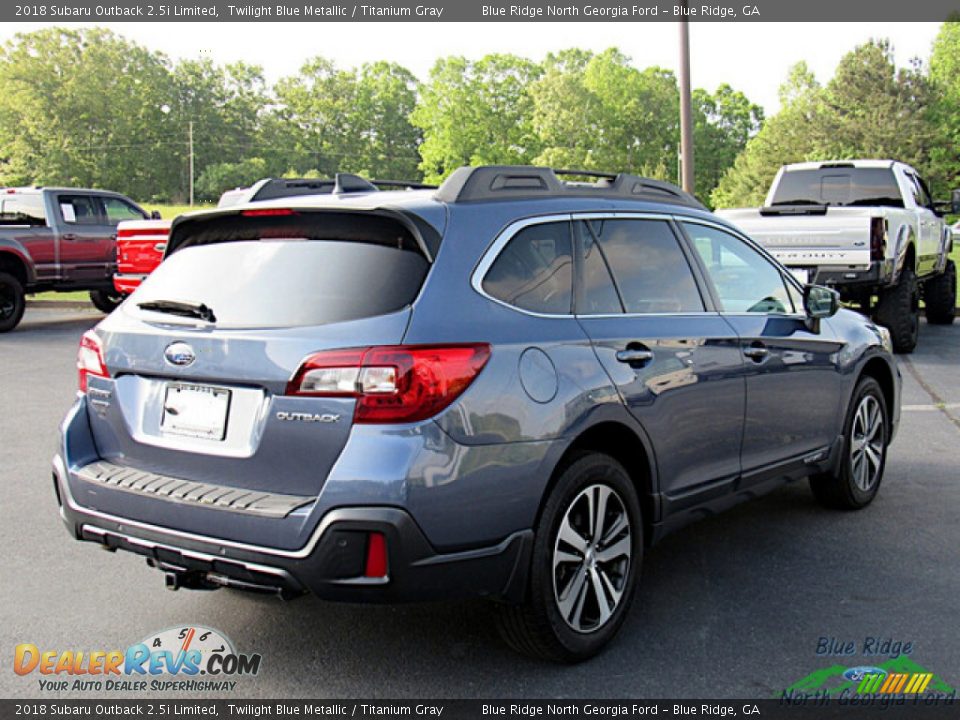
[[794, 402]]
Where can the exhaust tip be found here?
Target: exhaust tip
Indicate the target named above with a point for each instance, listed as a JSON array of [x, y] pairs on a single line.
[[171, 581]]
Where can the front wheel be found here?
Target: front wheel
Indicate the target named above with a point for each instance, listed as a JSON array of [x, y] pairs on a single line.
[[866, 434], [106, 301], [585, 562]]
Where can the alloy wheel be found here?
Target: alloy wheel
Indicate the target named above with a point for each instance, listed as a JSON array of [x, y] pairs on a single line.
[[591, 558], [867, 443]]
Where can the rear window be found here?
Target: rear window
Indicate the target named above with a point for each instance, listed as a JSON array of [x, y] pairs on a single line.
[[290, 274], [838, 186]]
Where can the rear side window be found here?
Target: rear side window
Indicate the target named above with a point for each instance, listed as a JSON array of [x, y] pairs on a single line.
[[20, 209], [597, 294], [838, 186], [80, 209], [535, 270], [650, 271], [296, 272]]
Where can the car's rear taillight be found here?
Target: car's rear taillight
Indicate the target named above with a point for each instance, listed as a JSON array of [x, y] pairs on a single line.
[[393, 384], [878, 239], [90, 359]]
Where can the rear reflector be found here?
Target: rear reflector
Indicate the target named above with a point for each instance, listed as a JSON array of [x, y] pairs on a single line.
[[392, 384], [376, 556], [90, 359]]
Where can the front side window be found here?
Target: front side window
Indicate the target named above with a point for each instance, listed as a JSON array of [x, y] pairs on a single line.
[[119, 210], [745, 281], [650, 271], [534, 271]]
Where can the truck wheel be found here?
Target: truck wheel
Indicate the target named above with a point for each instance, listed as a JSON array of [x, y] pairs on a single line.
[[105, 301], [13, 302], [940, 296], [584, 566], [857, 479], [899, 312]]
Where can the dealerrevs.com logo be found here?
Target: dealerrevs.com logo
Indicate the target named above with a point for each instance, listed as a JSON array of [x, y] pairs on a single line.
[[192, 658]]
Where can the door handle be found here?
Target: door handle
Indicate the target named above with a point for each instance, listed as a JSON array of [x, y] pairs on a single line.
[[634, 356], [160, 247], [69, 237], [757, 353]]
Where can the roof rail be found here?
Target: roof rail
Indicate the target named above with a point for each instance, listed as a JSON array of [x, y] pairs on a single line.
[[509, 182]]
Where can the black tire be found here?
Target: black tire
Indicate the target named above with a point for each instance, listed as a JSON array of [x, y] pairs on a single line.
[[899, 312], [847, 488], [106, 301], [538, 627], [13, 302], [940, 296]]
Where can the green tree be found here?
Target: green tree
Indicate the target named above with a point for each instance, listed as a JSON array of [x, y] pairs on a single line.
[[723, 124], [82, 107], [597, 112], [474, 113], [869, 109], [945, 78], [225, 105], [219, 177], [386, 95]]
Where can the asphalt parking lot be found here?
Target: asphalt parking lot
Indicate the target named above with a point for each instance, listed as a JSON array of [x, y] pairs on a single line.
[[733, 607]]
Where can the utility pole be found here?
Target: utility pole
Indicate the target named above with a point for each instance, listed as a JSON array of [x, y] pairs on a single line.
[[686, 118], [190, 136]]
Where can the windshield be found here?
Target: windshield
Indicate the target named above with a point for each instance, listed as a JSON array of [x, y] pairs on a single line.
[[846, 186]]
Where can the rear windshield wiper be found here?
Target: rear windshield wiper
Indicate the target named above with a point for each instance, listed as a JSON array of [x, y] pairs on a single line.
[[798, 201], [183, 309]]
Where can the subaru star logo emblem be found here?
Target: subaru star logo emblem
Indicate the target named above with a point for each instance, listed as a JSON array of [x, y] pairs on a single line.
[[179, 353]]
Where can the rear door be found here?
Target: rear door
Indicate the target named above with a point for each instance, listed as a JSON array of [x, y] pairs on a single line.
[[676, 363], [794, 390], [87, 240]]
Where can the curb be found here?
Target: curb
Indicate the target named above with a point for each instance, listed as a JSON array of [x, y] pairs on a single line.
[[60, 305]]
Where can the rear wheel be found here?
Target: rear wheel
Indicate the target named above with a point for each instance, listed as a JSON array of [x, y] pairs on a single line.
[[866, 431], [584, 567], [13, 302], [106, 301], [940, 296], [899, 312]]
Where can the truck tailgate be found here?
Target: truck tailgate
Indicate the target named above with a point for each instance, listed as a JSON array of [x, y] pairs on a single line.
[[839, 237]]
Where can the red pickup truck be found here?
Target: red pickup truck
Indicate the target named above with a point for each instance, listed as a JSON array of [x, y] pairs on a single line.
[[141, 243]]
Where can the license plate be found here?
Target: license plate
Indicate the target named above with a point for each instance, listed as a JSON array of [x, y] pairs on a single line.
[[801, 274], [196, 411]]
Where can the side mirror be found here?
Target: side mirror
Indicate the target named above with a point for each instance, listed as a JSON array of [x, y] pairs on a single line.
[[955, 202], [155, 215], [820, 302]]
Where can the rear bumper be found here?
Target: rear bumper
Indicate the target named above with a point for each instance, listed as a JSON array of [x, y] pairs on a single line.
[[330, 565], [878, 274], [126, 284]]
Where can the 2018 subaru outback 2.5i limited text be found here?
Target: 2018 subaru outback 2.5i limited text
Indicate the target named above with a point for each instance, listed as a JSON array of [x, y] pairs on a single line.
[[507, 387]]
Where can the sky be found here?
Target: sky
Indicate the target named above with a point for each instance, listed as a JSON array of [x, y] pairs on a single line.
[[752, 57]]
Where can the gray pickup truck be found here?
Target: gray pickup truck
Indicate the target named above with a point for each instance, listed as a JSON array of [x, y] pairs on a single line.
[[59, 239]]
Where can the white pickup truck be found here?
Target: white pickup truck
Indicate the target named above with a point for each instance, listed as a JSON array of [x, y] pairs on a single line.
[[867, 228]]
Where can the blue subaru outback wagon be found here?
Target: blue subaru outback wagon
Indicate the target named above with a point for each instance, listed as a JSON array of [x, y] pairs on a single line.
[[506, 387]]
